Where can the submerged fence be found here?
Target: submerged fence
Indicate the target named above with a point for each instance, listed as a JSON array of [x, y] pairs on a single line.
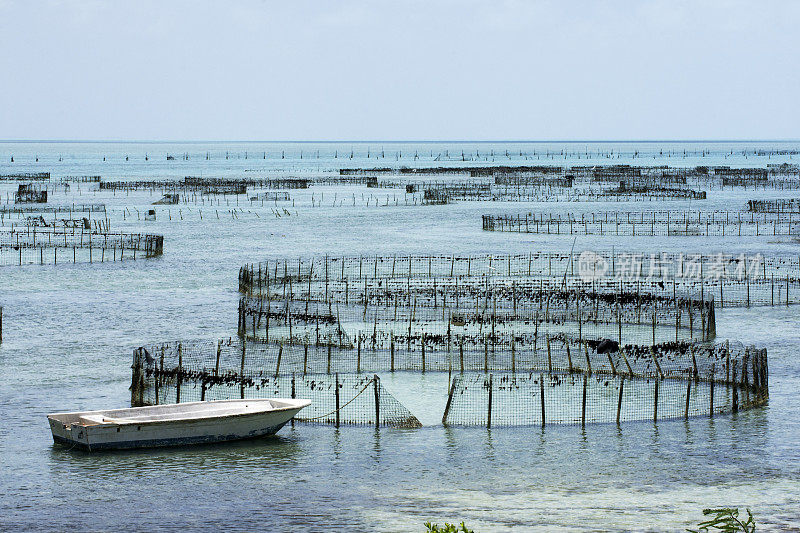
[[549, 386], [517, 350], [582, 398], [51, 245], [649, 224], [185, 372]]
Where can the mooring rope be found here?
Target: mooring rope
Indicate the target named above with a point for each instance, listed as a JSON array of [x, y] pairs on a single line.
[[342, 406]]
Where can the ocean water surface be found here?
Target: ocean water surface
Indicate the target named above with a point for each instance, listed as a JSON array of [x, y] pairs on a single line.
[[69, 331]]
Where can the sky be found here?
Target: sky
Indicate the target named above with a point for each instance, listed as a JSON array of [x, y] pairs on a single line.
[[399, 70]]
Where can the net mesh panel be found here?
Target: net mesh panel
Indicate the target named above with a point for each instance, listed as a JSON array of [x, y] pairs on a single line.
[[782, 205], [732, 280], [218, 370], [421, 192], [669, 359], [662, 223], [194, 366], [444, 311], [33, 245], [516, 399]]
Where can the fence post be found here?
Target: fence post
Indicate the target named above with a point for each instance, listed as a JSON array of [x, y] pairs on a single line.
[[219, 352], [688, 393], [136, 379], [583, 402], [489, 414], [423, 352], [449, 402], [241, 317], [541, 394], [337, 399], [294, 394], [655, 360], [625, 358], [157, 376], [241, 372], [376, 387], [514, 355], [180, 374], [485, 354], [655, 401], [588, 362]]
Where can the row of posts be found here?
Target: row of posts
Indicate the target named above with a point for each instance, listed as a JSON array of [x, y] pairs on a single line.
[[757, 384]]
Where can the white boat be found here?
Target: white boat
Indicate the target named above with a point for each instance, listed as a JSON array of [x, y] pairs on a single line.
[[173, 424]]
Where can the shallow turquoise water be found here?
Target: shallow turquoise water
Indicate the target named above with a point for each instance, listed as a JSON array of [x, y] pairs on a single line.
[[69, 331]]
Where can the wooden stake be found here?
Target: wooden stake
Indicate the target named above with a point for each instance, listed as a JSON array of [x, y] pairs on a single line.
[[489, 414], [376, 390]]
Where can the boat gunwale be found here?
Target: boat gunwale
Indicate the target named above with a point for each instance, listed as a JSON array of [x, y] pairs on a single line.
[[302, 403]]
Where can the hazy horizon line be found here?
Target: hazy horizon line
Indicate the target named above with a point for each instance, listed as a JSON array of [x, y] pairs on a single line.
[[367, 141]]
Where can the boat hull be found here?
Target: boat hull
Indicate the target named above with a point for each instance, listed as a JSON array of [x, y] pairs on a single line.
[[109, 434]]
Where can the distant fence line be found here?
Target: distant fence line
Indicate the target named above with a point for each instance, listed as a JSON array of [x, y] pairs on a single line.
[[35, 245], [656, 223], [55, 209], [782, 205], [487, 191], [176, 187], [80, 179], [270, 196], [25, 176]]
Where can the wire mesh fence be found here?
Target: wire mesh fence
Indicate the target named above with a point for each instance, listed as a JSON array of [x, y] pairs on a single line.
[[732, 280], [649, 224], [616, 265], [53, 245], [6, 210], [779, 177], [549, 355], [548, 385], [581, 398], [429, 314], [184, 372], [505, 193], [781, 205]]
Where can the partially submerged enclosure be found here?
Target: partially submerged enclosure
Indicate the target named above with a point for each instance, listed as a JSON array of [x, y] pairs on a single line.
[[517, 349]]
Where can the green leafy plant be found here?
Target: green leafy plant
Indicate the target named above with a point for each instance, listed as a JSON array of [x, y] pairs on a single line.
[[726, 519], [448, 528]]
